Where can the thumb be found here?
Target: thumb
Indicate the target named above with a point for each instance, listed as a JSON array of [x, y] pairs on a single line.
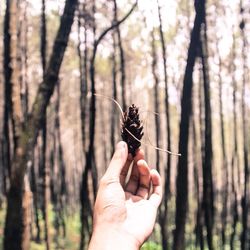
[[118, 160]]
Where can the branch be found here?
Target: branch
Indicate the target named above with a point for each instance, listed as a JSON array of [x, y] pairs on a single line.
[[114, 25]]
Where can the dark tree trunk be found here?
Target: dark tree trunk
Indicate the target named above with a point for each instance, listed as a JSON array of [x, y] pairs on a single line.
[[186, 107], [235, 155], [7, 94], [28, 135], [35, 199], [156, 98], [208, 195], [114, 95], [23, 57], [44, 165], [114, 85], [245, 197], [122, 59], [62, 168], [83, 69], [164, 207], [16, 113]]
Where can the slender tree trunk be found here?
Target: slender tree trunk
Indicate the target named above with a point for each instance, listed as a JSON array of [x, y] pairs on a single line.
[[62, 168], [7, 92], [122, 59], [156, 98], [114, 83], [186, 107], [23, 38], [235, 156], [164, 207], [246, 193], [83, 69], [199, 214], [17, 116], [44, 165], [224, 212], [28, 135], [208, 195], [35, 199]]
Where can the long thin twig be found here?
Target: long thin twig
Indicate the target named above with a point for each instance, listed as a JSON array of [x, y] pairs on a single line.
[[146, 144]]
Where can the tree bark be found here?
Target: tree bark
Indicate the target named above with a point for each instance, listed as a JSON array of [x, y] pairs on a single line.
[[156, 98], [235, 154], [7, 99], [28, 135], [44, 165], [199, 214], [208, 195], [114, 95], [164, 207], [224, 212], [83, 69], [245, 197], [122, 59], [186, 107]]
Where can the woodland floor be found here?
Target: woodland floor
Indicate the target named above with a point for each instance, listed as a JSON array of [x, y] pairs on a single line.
[[72, 239]]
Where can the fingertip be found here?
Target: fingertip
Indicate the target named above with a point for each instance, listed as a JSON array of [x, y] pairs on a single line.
[[156, 181], [143, 167], [118, 160], [156, 196], [121, 145], [139, 154]]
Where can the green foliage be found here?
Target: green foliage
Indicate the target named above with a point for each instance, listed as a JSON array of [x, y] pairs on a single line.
[[150, 245], [71, 241]]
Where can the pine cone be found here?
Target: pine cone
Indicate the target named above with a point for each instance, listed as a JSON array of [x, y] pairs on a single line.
[[131, 122]]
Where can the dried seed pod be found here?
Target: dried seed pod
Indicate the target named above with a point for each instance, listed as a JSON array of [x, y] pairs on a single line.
[[131, 130]]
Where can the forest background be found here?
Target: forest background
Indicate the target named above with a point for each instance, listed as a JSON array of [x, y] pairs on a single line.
[[184, 63]]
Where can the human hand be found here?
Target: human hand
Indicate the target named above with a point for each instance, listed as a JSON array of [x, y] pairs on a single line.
[[125, 213]]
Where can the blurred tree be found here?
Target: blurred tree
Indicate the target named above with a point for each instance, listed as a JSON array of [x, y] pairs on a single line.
[[164, 208], [28, 133], [7, 98], [156, 97], [44, 165], [208, 194], [186, 107], [235, 154], [245, 195]]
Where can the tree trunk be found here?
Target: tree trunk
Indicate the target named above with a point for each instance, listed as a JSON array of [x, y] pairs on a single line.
[[224, 212], [114, 87], [122, 59], [235, 155], [28, 135], [44, 165], [208, 195], [7, 92], [246, 193], [164, 207], [199, 214], [114, 96], [83, 69], [156, 98], [186, 107]]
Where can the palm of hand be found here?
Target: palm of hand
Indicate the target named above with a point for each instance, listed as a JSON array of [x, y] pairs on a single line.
[[127, 208], [140, 216]]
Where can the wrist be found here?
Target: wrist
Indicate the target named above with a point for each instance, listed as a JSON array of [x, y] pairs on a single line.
[[112, 238]]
